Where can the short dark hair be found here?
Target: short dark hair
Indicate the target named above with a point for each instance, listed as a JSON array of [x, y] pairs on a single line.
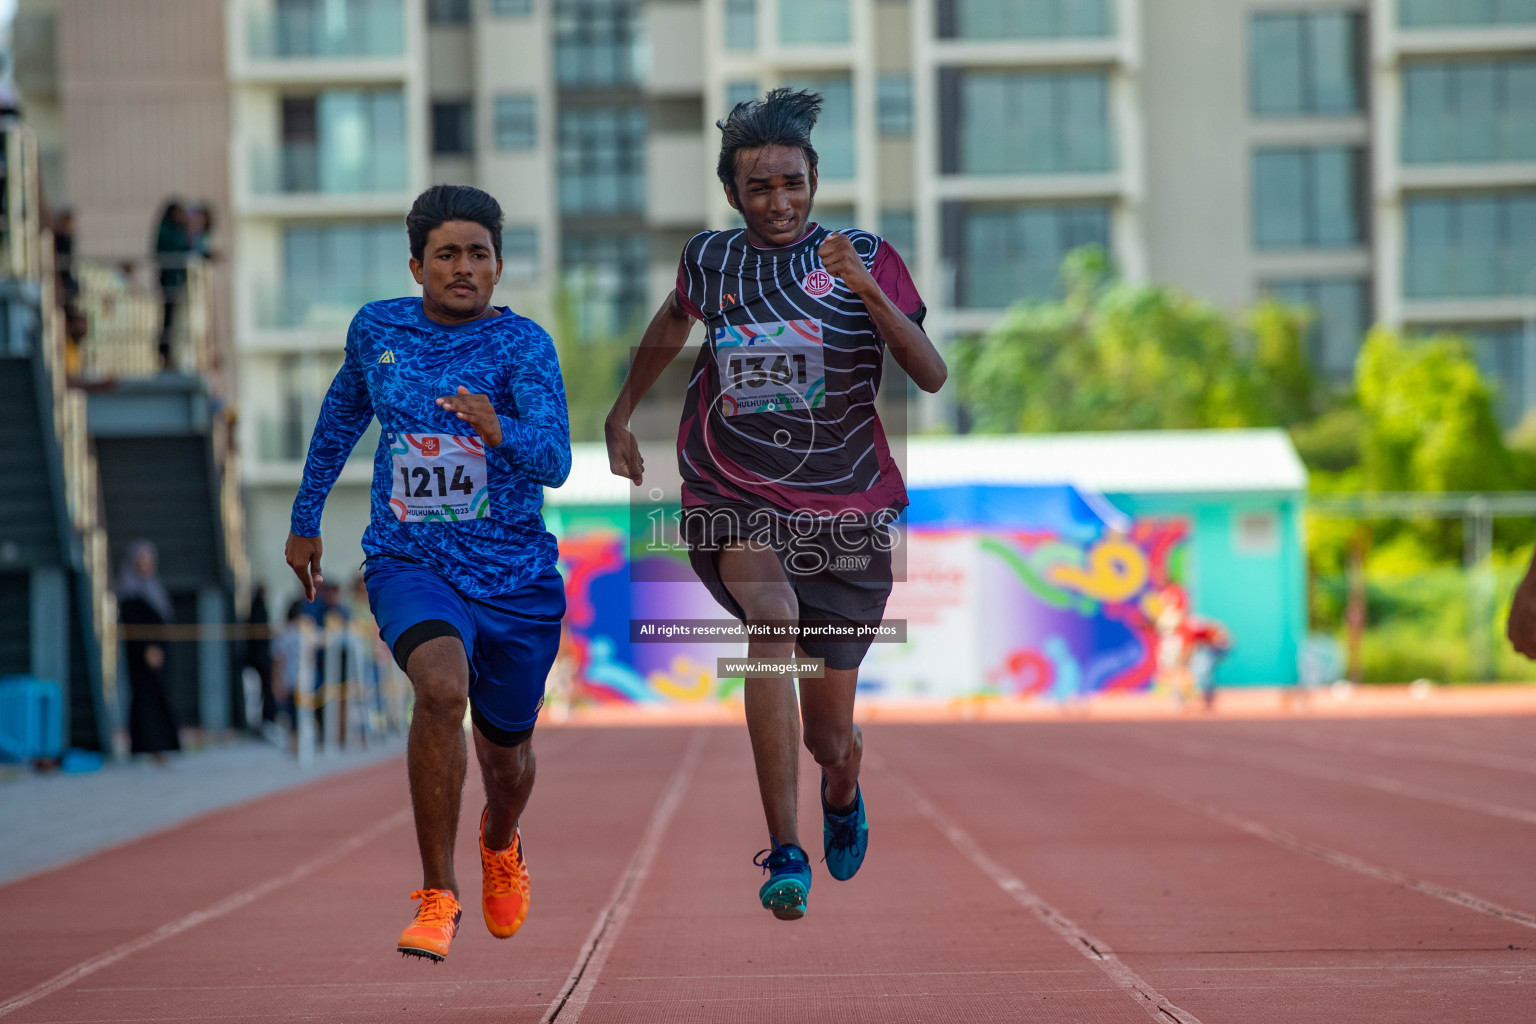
[[784, 117], [442, 203]]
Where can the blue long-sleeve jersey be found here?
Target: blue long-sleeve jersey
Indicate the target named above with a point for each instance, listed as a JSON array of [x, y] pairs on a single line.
[[398, 363]]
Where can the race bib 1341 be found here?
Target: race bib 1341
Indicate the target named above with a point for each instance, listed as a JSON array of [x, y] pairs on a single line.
[[438, 478]]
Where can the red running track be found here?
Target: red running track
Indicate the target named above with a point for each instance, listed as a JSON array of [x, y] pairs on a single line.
[[1196, 872]]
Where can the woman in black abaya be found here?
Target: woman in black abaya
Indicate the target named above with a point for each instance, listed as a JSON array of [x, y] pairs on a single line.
[[142, 601]]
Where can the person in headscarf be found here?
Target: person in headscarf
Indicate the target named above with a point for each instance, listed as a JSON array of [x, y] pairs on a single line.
[[142, 601]]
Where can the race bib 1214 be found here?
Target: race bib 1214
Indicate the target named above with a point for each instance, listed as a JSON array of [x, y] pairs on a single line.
[[774, 367], [438, 478]]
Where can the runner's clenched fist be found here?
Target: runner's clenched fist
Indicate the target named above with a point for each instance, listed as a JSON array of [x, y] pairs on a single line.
[[840, 260], [477, 411]]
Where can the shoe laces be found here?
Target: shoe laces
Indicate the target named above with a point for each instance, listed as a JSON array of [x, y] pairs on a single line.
[[777, 857], [843, 831], [437, 907], [502, 867]]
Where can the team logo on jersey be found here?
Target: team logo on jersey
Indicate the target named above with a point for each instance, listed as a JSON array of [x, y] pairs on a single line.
[[817, 283], [388, 356], [431, 447]]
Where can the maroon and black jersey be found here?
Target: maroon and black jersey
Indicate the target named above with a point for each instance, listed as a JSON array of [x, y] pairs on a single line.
[[780, 413]]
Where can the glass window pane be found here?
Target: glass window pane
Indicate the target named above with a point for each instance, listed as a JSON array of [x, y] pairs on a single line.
[[1009, 254], [1276, 64], [814, 22], [1033, 122], [1279, 198], [1334, 209], [516, 123], [1331, 51], [1024, 19], [741, 24], [895, 102], [899, 228]]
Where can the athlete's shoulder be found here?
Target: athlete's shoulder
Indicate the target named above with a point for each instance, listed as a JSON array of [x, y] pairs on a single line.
[[707, 248], [401, 312]]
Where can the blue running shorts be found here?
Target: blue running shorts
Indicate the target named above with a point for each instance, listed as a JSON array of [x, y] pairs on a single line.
[[511, 640]]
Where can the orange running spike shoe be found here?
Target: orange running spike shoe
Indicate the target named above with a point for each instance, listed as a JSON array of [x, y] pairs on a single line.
[[437, 921], [504, 885]]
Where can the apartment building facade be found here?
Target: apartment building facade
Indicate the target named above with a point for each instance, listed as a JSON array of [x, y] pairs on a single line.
[[1374, 160]]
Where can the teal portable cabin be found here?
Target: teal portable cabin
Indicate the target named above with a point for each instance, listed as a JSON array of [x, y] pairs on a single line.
[[1241, 494]]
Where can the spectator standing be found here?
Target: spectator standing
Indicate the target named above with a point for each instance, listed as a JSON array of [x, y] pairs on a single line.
[[173, 246], [142, 601], [258, 653]]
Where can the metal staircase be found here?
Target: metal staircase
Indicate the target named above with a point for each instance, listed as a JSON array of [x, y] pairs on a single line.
[[57, 620]]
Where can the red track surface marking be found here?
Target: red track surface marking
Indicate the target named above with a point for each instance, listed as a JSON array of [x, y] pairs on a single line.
[[567, 1006], [1284, 839], [1157, 1006], [240, 899], [1385, 783]]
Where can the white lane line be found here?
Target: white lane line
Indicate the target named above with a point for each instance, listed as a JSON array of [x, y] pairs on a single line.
[[1416, 752], [573, 995], [1156, 1005], [227, 905], [1296, 844], [1384, 783]]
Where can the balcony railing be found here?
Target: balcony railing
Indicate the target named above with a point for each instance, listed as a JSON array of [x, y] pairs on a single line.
[[327, 29], [125, 322], [298, 169], [320, 306]]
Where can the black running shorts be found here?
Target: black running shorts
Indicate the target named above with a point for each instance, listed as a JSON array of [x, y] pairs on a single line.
[[841, 576]]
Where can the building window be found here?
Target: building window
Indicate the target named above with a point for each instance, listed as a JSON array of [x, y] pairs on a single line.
[[833, 137], [1340, 317], [602, 159], [1007, 254], [331, 269], [315, 28], [1307, 198], [336, 142], [517, 125], [1305, 63], [1470, 246], [606, 276], [1500, 352], [511, 8], [1024, 19], [899, 228], [837, 216], [814, 22], [596, 42], [453, 128], [520, 253], [741, 24], [895, 104], [1013, 122], [448, 12], [744, 91], [1469, 110], [1435, 13]]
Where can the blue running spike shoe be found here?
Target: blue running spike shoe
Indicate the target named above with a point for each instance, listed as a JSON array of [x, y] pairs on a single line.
[[789, 880], [844, 837]]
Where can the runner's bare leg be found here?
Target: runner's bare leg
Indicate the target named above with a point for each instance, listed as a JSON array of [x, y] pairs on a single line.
[[435, 754], [756, 580]]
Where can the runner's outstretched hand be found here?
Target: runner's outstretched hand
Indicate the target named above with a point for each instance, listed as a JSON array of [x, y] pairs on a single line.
[[477, 411], [303, 557], [623, 452], [842, 262]]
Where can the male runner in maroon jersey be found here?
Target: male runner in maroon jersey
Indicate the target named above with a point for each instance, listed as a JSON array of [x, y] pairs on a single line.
[[788, 483]]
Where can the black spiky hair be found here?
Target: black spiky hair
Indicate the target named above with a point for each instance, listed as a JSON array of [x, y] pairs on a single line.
[[442, 203], [784, 117]]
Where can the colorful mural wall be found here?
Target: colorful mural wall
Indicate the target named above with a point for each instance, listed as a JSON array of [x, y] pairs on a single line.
[[1029, 592]]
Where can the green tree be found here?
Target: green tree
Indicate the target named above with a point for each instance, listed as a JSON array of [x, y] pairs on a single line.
[[1117, 356], [1428, 418]]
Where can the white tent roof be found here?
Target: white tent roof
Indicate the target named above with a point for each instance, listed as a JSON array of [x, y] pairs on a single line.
[[1140, 462]]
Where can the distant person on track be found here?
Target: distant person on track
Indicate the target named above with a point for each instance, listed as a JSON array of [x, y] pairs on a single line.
[[789, 488], [460, 571]]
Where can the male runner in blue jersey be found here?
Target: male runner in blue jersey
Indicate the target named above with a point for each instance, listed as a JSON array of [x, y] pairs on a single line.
[[460, 570], [789, 487]]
